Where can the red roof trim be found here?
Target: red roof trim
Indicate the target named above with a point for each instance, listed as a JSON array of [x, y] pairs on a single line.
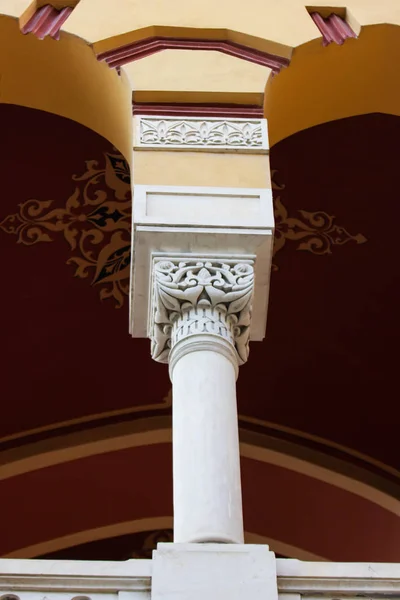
[[131, 52], [333, 28], [198, 110], [47, 20]]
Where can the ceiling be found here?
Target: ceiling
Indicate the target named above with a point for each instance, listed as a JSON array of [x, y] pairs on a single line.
[[321, 387]]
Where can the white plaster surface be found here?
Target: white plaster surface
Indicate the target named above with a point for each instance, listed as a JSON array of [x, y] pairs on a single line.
[[337, 580], [203, 206], [213, 572], [26, 579], [199, 572]]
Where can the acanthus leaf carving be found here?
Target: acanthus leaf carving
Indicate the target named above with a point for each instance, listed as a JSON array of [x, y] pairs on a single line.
[[194, 296]]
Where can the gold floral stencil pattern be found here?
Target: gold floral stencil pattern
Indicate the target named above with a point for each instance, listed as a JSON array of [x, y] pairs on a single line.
[[96, 224], [316, 232]]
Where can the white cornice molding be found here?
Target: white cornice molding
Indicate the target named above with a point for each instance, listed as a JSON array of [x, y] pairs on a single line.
[[207, 134]]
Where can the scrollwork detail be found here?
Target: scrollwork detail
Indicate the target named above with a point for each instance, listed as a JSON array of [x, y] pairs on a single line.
[[198, 296], [315, 232], [95, 221]]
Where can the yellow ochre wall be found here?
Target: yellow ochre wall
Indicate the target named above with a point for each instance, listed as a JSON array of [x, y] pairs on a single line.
[[271, 25], [196, 76], [201, 168], [334, 82], [64, 78], [321, 83]]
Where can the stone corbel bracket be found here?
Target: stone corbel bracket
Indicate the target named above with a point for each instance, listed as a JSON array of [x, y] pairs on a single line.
[[217, 225]]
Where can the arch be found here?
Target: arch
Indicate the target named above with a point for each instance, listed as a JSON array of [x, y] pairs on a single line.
[[156, 431], [320, 85], [64, 77], [328, 83], [279, 503], [143, 525]]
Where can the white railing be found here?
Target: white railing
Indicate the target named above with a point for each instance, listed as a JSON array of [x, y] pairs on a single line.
[[74, 580], [299, 580], [131, 580]]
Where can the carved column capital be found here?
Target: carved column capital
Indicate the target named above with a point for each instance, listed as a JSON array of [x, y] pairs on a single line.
[[194, 296]]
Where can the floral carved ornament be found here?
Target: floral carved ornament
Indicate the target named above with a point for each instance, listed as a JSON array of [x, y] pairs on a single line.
[[201, 134], [95, 222], [201, 296]]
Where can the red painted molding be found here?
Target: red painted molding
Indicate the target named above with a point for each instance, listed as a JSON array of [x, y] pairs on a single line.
[[131, 52], [333, 28], [47, 20], [199, 110]]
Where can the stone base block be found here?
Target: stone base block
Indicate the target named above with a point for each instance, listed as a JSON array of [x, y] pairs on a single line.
[[213, 572]]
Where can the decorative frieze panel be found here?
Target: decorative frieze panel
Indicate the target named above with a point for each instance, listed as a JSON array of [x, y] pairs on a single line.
[[193, 296], [201, 134]]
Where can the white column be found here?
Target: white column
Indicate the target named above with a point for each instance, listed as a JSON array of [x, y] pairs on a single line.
[[201, 259], [201, 319], [207, 490]]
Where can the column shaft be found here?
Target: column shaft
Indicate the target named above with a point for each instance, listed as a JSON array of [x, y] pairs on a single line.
[[201, 325], [207, 487]]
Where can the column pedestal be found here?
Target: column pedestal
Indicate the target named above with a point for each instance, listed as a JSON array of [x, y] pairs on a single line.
[[213, 572]]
